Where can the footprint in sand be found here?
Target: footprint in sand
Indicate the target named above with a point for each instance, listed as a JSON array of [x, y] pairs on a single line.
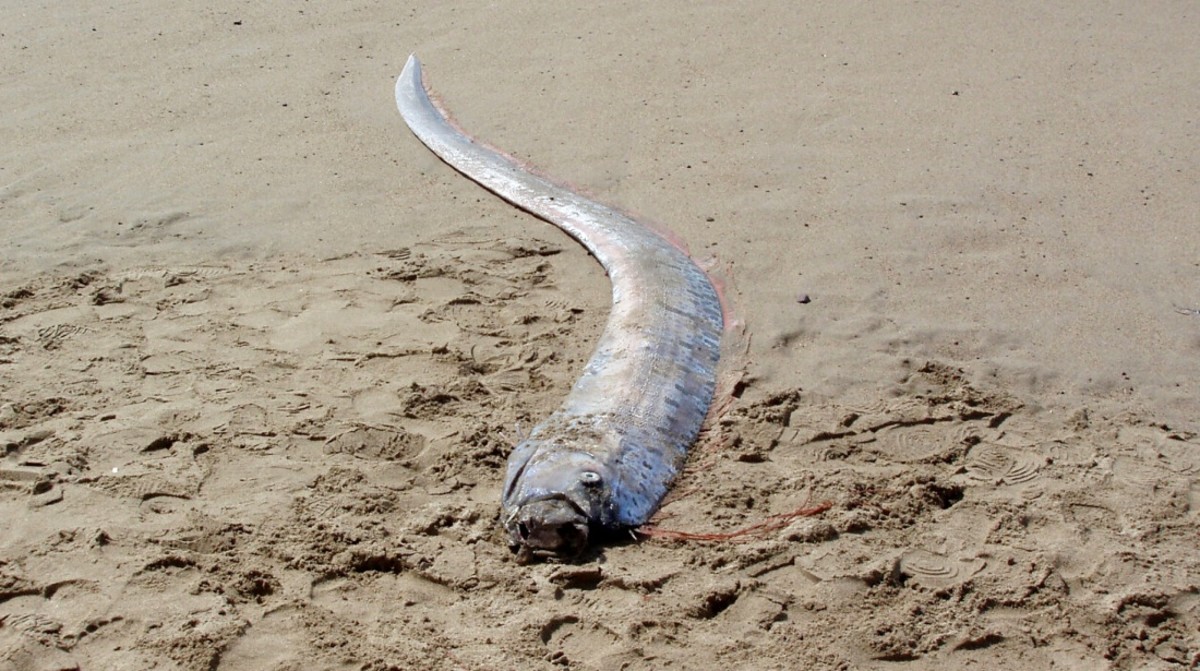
[[390, 444], [396, 254], [570, 641], [38, 483], [277, 641], [50, 337], [937, 571], [881, 411], [924, 443], [177, 272], [1092, 517], [1179, 455], [1000, 466], [36, 626], [45, 492]]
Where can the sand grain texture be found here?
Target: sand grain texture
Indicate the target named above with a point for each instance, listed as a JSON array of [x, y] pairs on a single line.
[[262, 357]]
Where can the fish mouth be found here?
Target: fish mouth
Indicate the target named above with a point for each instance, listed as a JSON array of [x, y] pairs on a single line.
[[554, 526]]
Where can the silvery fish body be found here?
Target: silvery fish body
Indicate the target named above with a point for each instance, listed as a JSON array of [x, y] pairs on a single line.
[[605, 459]]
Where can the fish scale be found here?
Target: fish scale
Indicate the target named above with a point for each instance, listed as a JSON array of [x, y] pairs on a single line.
[[606, 458]]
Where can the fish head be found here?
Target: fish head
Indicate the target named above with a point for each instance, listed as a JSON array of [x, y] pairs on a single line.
[[553, 499]]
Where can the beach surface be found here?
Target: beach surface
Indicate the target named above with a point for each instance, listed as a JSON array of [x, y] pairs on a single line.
[[263, 356]]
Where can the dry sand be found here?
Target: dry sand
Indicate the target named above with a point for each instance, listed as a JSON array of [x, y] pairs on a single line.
[[262, 356]]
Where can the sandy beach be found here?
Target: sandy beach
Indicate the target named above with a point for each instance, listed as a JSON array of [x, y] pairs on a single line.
[[263, 356]]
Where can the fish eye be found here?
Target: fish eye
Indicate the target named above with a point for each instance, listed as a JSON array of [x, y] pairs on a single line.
[[590, 478]]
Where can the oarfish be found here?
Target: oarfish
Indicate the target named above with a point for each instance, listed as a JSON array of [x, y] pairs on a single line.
[[605, 459]]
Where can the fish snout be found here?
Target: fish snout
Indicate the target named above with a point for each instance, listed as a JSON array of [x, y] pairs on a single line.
[[547, 527]]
